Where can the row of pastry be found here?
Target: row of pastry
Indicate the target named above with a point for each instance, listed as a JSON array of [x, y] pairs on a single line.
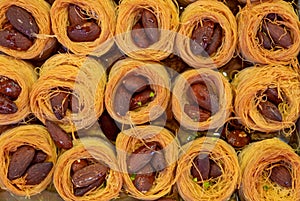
[[205, 34], [72, 91], [147, 163]]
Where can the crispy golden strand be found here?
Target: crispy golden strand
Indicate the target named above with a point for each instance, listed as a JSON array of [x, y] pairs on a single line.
[[248, 82], [159, 82], [255, 161], [131, 139], [33, 135], [102, 10], [87, 148], [40, 10], [214, 189], [249, 21], [217, 12], [167, 15], [23, 73], [219, 86], [84, 76]]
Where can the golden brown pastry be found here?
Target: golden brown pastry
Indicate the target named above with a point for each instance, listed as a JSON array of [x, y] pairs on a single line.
[[17, 78], [146, 29], [147, 157], [22, 172], [88, 157], [208, 169], [69, 91], [137, 91], [207, 36], [202, 99], [272, 173], [269, 33], [84, 27], [266, 97], [25, 28]]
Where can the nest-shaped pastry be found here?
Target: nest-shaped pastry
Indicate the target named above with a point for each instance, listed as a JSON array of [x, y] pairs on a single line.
[[248, 85], [191, 18], [23, 73], [35, 136], [158, 80], [39, 9], [167, 15], [103, 11], [130, 140], [250, 20], [217, 86], [257, 167], [219, 188], [80, 76], [87, 148]]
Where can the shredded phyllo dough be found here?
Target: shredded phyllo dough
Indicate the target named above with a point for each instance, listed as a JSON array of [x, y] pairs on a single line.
[[220, 87], [23, 73], [249, 82], [218, 12], [159, 81], [88, 147], [103, 10], [255, 162], [36, 136], [84, 76], [220, 188], [167, 15], [249, 22], [129, 140], [39, 9]]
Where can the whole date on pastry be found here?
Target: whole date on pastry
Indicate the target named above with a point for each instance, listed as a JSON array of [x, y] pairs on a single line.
[[9, 88], [281, 175]]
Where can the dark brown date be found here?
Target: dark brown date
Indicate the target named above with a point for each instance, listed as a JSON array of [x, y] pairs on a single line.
[[264, 40], [89, 174], [84, 190], [59, 136], [78, 165], [39, 157], [196, 113], [273, 96], [135, 83], [12, 39], [201, 36], [22, 21], [158, 161], [74, 104], [9, 88], [269, 111], [19, 162], [141, 157], [215, 170], [59, 103], [200, 168], [206, 99], [86, 32], [150, 25], [279, 34], [38, 172], [282, 176], [238, 138], [144, 178], [75, 15], [109, 126], [7, 106], [122, 101], [140, 99], [139, 36], [216, 40]]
